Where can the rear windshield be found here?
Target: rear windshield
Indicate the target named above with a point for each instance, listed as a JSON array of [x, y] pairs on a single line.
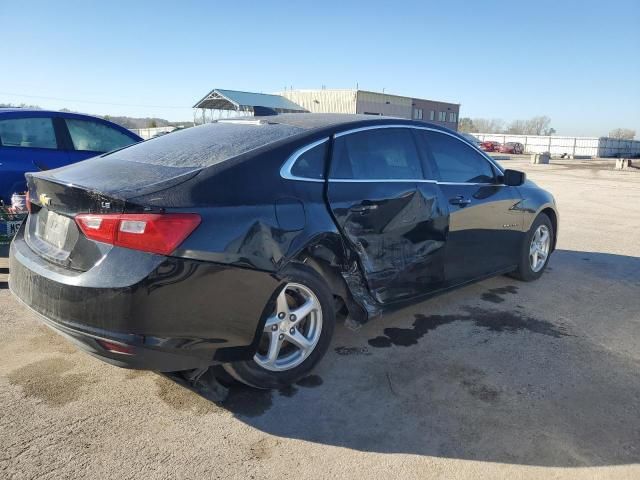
[[205, 145]]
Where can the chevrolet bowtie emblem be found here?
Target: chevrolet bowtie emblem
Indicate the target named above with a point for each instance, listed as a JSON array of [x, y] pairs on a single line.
[[45, 200]]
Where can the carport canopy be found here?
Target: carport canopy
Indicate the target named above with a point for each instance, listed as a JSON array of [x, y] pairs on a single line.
[[218, 99]]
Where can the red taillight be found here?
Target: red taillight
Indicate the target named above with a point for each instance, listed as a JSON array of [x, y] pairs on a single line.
[[101, 228], [116, 347], [150, 232]]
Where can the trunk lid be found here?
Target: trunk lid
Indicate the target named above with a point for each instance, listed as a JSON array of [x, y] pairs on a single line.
[[93, 186]]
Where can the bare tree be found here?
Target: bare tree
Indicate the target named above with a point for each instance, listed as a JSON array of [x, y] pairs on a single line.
[[21, 105], [533, 126], [518, 127], [537, 125], [488, 125], [466, 125], [622, 134]]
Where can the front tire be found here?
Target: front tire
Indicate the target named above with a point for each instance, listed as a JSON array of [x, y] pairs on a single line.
[[536, 249], [296, 335]]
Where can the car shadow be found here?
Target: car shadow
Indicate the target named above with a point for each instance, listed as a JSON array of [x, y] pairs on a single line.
[[501, 371]]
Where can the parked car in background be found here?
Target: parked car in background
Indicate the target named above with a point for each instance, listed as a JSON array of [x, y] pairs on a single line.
[[511, 147], [237, 242], [490, 146], [33, 140]]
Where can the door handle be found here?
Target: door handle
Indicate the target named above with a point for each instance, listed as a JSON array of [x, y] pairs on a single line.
[[459, 200], [362, 209]]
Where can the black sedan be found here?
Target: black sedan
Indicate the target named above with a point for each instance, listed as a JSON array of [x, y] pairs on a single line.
[[237, 243]]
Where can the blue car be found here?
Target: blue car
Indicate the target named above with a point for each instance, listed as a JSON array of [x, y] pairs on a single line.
[[33, 140]]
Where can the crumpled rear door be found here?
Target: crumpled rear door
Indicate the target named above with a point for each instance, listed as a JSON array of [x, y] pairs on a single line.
[[398, 232]]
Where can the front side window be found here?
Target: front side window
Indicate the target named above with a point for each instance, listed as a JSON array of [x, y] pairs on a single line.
[[456, 161], [95, 137], [377, 154], [28, 133], [311, 163]]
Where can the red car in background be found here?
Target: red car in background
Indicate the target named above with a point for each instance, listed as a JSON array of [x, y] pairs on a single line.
[[490, 146], [511, 147]]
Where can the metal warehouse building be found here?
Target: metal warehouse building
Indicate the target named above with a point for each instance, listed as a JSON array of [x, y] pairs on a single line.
[[375, 103], [219, 103]]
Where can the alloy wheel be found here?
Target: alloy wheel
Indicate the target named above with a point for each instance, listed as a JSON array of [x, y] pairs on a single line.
[[539, 248], [292, 331]]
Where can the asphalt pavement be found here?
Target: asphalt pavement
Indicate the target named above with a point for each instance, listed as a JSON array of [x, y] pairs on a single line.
[[501, 379]]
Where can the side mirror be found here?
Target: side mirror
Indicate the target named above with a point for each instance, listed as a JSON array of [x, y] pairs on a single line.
[[514, 178]]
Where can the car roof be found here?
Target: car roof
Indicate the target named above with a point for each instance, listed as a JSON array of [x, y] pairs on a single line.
[[18, 112], [216, 142], [40, 111], [311, 122]]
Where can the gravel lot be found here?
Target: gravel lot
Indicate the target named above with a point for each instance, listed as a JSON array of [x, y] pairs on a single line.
[[499, 379]]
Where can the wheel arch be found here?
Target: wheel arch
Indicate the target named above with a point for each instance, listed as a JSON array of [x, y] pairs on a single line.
[[329, 257], [553, 216], [537, 201]]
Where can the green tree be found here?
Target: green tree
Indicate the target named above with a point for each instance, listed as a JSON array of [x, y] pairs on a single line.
[[153, 124]]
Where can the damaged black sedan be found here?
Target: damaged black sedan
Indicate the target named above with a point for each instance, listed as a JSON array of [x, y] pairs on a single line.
[[238, 243]]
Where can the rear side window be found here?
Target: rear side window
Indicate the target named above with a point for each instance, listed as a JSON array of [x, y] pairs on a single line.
[[457, 162], [95, 137], [311, 163], [28, 133], [377, 154]]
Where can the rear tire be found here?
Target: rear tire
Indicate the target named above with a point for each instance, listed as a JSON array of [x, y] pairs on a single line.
[[297, 333], [536, 250]]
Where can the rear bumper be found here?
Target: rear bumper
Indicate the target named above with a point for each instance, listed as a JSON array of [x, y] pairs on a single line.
[[171, 313], [139, 354]]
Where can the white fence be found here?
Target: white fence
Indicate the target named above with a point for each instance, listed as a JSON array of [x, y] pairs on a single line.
[[147, 133], [569, 146]]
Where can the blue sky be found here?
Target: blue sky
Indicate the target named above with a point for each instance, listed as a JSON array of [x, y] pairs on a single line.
[[577, 62]]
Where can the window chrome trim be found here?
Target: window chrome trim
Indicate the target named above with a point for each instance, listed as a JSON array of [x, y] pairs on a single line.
[[411, 180], [384, 180], [285, 170], [473, 183]]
